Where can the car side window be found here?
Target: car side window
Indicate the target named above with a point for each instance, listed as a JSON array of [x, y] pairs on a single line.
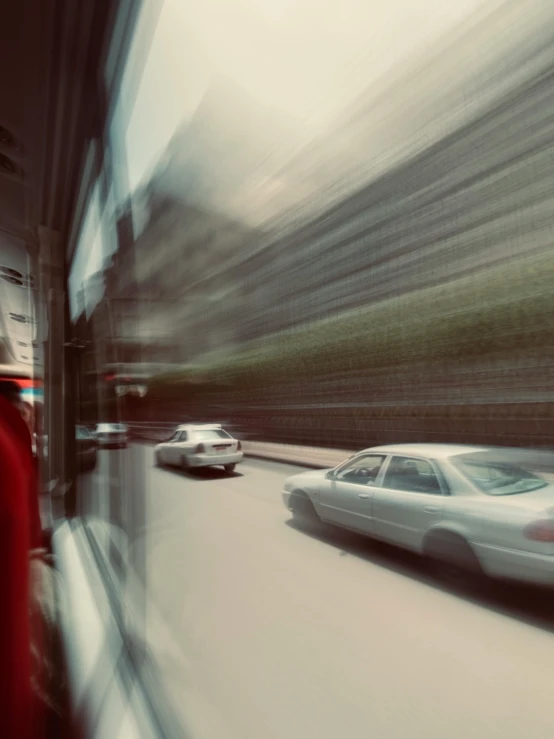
[[184, 436], [412, 475], [363, 470]]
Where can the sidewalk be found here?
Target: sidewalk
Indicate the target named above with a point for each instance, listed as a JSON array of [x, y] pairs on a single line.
[[306, 456]]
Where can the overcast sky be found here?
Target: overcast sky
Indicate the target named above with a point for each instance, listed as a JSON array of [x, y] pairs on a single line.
[[305, 58]]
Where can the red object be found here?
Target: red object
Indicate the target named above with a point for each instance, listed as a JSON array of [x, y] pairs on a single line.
[[540, 530], [20, 431], [16, 533], [24, 382]]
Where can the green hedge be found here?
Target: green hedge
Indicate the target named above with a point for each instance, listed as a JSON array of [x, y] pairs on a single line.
[[498, 313]]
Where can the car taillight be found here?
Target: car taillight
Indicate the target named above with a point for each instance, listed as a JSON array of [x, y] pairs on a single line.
[[540, 530], [200, 449], [239, 447]]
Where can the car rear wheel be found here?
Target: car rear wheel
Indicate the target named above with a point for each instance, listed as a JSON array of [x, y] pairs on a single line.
[[452, 560], [229, 467]]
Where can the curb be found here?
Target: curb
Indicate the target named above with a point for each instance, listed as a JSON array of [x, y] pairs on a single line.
[[268, 456], [283, 460]]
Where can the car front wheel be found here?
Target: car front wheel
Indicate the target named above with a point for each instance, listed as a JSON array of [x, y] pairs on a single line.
[[302, 507], [229, 468]]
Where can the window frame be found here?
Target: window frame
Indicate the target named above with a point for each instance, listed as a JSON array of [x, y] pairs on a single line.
[[444, 489], [460, 468], [374, 483], [195, 435]]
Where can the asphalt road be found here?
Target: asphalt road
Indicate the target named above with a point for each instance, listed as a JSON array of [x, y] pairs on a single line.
[[278, 632]]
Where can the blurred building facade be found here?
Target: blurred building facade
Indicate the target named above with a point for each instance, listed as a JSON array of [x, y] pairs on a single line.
[[445, 171]]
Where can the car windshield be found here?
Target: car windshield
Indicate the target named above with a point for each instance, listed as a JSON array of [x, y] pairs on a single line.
[[207, 434], [498, 478]]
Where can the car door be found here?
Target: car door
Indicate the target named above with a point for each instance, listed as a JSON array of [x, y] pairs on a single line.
[[181, 447], [347, 501], [167, 448], [409, 501]]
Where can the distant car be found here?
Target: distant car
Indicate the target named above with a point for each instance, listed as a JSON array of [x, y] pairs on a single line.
[[86, 448], [199, 445], [112, 435], [470, 510]]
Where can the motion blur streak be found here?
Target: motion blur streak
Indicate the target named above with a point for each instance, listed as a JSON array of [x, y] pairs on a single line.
[[329, 225], [425, 207]]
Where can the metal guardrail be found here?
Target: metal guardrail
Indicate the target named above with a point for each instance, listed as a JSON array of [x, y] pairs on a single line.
[[151, 432]]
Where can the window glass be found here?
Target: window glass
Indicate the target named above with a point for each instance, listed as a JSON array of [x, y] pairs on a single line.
[[109, 494], [263, 171], [411, 474], [364, 469], [499, 478], [207, 434], [183, 436]]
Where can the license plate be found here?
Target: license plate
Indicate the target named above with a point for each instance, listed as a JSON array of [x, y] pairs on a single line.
[[221, 447]]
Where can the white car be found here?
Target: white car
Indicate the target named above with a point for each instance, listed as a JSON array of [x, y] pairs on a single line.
[[111, 435], [468, 509], [199, 445]]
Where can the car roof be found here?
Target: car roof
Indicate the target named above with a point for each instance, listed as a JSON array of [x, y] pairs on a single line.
[[192, 426], [433, 451]]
